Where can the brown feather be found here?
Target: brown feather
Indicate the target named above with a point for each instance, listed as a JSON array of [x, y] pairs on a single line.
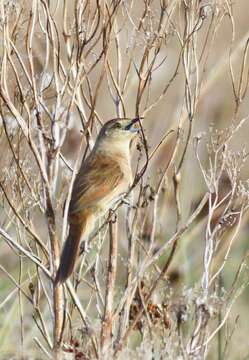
[[99, 175], [70, 251], [101, 181]]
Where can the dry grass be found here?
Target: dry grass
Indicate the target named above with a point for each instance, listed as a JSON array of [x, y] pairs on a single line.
[[167, 276]]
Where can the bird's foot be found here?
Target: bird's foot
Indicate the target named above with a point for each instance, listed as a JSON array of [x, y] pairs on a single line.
[[85, 248], [127, 202], [112, 216]]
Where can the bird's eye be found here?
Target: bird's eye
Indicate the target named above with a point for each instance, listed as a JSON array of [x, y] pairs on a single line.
[[117, 125]]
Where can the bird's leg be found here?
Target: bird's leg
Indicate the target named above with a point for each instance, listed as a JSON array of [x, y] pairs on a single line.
[[84, 247], [112, 217], [126, 201]]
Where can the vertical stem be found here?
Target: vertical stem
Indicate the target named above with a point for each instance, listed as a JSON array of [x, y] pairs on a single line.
[[57, 303], [57, 289], [21, 309], [124, 320], [220, 321], [58, 319], [106, 332]]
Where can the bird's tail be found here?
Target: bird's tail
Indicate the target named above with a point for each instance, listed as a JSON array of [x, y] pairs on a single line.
[[70, 252]]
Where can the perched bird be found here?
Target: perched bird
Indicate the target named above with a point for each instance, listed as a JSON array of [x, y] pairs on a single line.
[[103, 178]]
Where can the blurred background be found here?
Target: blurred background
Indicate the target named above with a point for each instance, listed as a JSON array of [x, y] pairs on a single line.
[[184, 69]]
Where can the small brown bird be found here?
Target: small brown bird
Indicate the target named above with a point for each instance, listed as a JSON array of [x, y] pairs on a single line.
[[104, 177]]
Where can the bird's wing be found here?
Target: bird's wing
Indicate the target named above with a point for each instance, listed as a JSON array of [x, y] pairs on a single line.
[[98, 176]]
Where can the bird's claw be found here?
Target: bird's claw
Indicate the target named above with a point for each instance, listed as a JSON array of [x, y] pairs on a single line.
[[84, 247], [127, 202]]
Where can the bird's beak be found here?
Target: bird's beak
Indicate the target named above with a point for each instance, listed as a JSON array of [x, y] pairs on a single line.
[[130, 126]]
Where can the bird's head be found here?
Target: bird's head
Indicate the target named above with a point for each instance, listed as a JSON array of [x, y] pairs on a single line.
[[120, 129], [116, 135]]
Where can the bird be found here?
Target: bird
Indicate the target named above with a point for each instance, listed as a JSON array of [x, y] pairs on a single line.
[[103, 179]]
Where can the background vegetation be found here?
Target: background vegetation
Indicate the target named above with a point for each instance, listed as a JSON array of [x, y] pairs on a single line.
[[167, 276]]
